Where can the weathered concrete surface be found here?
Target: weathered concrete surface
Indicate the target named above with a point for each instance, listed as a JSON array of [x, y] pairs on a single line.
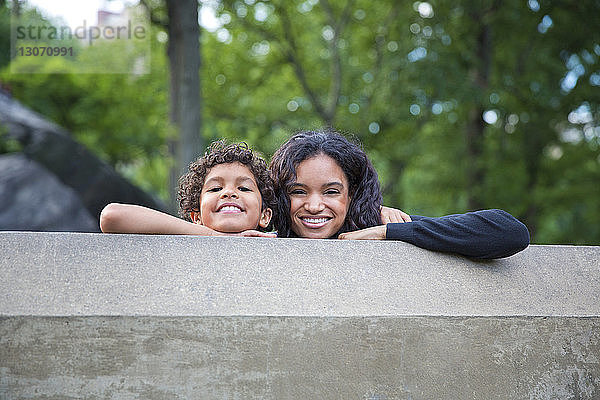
[[299, 358], [163, 317], [95, 274]]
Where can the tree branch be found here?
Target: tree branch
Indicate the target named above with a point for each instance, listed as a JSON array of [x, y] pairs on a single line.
[[335, 88], [162, 22], [291, 55]]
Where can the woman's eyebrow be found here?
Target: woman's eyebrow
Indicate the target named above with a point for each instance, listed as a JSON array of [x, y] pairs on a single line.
[[328, 184], [334, 183]]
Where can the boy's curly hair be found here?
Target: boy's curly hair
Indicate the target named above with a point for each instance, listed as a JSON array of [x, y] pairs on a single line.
[[219, 152]]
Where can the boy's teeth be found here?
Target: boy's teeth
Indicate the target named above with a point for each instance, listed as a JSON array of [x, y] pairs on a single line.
[[315, 220], [230, 208]]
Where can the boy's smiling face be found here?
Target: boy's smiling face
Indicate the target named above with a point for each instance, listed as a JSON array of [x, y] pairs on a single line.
[[230, 201]]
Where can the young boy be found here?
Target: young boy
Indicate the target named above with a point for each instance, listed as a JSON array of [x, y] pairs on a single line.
[[228, 191]]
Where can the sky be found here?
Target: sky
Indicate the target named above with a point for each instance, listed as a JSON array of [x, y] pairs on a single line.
[[74, 12]]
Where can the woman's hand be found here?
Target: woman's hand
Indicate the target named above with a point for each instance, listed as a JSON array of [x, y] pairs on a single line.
[[372, 233], [393, 215]]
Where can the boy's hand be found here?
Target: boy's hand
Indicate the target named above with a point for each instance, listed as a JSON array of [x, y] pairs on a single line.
[[372, 233], [206, 231], [393, 215], [255, 233]]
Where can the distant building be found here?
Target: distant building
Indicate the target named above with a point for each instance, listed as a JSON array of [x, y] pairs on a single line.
[[106, 18]]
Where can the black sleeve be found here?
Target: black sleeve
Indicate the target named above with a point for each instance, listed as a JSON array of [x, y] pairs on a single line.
[[481, 234]]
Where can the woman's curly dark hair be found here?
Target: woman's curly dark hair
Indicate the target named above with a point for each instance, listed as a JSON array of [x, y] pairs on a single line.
[[219, 152], [364, 191]]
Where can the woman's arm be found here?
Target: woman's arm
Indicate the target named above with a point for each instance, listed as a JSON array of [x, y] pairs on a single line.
[[482, 234], [129, 218]]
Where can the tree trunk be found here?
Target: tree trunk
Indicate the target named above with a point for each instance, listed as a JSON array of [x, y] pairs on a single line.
[[475, 173], [185, 106], [533, 147], [476, 124], [16, 7]]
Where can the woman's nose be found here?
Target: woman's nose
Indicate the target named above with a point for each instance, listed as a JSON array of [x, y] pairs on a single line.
[[314, 204]]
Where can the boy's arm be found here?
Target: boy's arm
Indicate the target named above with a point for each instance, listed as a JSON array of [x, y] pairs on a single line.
[[129, 218]]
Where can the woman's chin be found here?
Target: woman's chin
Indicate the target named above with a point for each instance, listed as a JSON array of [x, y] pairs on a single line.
[[315, 233]]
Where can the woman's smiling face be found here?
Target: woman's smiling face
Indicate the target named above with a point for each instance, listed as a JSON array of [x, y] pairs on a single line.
[[319, 198]]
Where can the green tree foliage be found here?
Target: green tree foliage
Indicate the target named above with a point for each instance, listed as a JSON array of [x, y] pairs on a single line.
[[4, 35], [461, 105], [120, 117]]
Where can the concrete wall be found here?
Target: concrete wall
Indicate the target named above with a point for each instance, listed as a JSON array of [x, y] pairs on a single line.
[[163, 317]]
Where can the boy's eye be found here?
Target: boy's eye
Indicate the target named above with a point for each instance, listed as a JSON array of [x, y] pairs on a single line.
[[244, 189], [214, 189]]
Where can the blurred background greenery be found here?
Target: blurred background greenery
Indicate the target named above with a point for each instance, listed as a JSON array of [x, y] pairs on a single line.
[[461, 105]]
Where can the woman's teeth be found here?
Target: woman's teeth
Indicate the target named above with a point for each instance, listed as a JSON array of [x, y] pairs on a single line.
[[315, 220]]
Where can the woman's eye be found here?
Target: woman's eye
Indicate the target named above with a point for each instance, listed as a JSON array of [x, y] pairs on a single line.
[[332, 191], [297, 192]]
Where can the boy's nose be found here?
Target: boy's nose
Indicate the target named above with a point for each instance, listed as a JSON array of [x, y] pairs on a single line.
[[228, 192]]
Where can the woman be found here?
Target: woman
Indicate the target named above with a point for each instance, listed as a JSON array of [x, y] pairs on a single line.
[[326, 187], [313, 163]]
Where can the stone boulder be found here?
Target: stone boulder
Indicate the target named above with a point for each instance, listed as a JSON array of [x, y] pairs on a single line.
[[95, 182], [33, 199]]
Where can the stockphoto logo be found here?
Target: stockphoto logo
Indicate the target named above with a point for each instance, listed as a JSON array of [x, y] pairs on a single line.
[[121, 46], [83, 32]]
